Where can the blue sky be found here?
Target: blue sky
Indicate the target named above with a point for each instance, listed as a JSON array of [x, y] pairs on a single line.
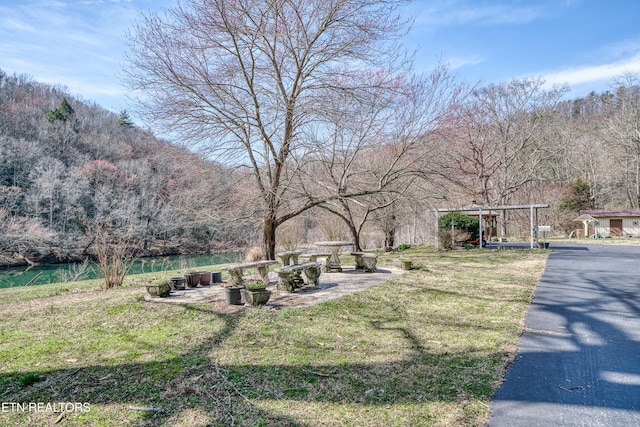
[[584, 43]]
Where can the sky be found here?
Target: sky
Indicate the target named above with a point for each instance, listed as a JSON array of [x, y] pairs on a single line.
[[586, 44]]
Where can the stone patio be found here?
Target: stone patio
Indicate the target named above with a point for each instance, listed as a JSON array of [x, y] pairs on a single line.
[[332, 286]]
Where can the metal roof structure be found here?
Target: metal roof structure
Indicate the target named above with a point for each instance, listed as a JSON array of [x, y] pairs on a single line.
[[477, 208], [602, 213]]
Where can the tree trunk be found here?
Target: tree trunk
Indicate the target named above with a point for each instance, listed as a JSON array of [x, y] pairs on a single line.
[[389, 239], [355, 237], [269, 236]]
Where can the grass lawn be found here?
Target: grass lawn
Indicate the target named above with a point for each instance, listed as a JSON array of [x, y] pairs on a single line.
[[426, 348]]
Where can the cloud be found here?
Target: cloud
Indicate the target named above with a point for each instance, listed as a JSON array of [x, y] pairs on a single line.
[[77, 44], [456, 62], [594, 74]]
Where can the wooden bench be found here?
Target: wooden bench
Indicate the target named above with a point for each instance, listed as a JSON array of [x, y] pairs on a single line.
[[236, 271], [365, 261], [287, 275]]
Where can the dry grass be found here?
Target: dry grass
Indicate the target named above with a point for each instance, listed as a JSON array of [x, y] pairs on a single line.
[[428, 348], [254, 254]]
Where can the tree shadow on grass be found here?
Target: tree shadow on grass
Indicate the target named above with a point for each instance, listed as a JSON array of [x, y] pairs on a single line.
[[195, 389]]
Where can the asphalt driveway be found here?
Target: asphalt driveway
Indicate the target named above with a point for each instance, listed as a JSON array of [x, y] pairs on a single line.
[[578, 360]]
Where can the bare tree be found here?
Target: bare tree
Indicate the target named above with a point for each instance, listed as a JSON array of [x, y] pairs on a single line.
[[47, 187], [114, 251], [506, 134], [21, 235], [622, 133], [384, 152], [250, 79]]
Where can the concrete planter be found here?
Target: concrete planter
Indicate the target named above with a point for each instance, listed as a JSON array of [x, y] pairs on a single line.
[[159, 290], [256, 298]]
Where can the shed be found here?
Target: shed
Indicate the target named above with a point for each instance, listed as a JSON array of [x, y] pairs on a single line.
[[614, 223]]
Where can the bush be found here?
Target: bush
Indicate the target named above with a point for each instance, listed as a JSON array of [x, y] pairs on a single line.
[[254, 254], [115, 255], [461, 223], [465, 227]]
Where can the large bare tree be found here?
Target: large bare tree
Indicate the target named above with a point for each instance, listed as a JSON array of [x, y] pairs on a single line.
[[622, 136], [506, 134], [379, 153], [250, 79]]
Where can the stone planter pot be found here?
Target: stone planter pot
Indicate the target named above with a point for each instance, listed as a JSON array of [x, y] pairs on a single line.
[[159, 290], [256, 298], [406, 264], [232, 295], [216, 277], [177, 283], [193, 278], [205, 278]]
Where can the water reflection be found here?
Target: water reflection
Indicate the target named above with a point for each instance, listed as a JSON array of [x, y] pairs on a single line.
[[42, 274]]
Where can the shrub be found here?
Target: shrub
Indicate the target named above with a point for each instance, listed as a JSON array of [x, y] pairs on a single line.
[[254, 254], [254, 286], [464, 227], [461, 222]]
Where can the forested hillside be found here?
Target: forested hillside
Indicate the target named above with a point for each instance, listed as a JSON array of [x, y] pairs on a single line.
[[521, 146], [66, 164]]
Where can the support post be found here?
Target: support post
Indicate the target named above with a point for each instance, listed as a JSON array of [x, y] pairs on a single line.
[[480, 226], [531, 225], [437, 240], [453, 240]]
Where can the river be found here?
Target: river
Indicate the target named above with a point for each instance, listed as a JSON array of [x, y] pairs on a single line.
[[42, 274]]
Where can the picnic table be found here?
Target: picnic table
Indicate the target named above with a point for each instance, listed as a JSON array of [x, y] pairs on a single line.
[[289, 257], [333, 263], [237, 270]]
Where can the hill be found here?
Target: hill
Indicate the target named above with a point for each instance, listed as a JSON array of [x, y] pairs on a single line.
[[66, 163]]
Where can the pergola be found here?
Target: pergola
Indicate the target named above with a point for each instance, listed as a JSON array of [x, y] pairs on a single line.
[[533, 217]]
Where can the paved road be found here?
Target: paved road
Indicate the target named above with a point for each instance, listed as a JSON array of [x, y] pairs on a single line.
[[578, 362]]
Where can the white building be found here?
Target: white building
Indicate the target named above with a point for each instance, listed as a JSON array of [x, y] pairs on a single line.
[[622, 223]]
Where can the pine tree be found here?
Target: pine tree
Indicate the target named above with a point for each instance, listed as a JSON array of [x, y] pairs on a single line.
[[62, 113], [124, 119]]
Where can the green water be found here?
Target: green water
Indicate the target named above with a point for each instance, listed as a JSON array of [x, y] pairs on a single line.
[[20, 276]]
